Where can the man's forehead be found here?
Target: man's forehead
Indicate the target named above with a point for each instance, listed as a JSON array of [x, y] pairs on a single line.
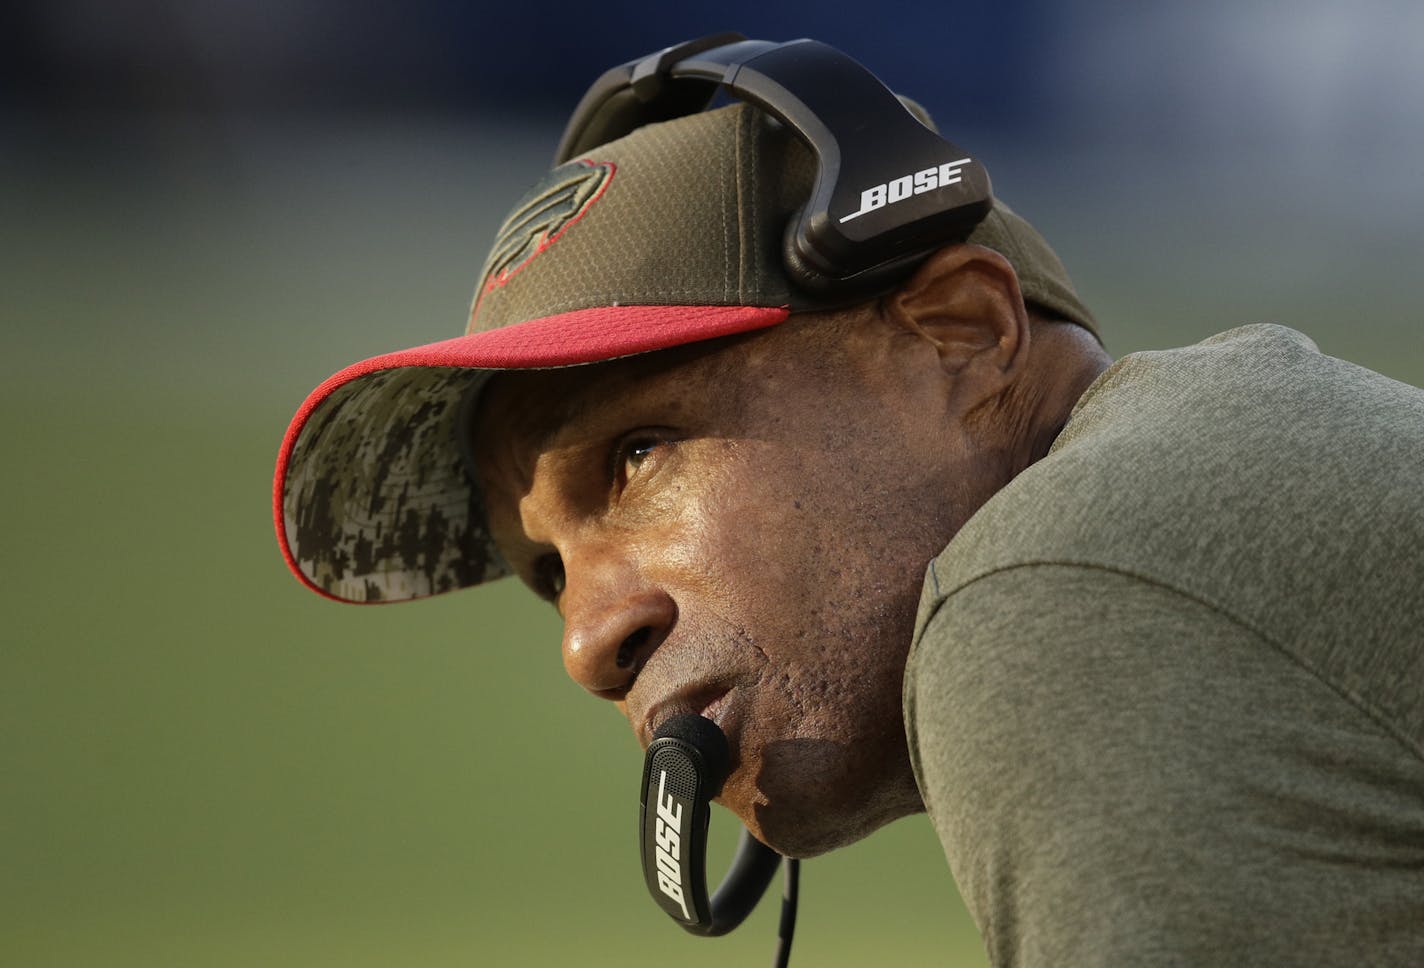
[[530, 408]]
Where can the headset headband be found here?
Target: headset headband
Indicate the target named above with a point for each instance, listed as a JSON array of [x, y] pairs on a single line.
[[888, 190]]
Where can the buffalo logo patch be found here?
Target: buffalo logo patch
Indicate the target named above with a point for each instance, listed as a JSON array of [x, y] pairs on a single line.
[[543, 216]]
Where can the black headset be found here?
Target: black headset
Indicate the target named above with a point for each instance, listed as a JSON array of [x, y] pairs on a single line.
[[888, 191], [686, 764]]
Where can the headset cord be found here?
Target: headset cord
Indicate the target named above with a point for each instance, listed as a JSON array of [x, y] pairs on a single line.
[[792, 869]]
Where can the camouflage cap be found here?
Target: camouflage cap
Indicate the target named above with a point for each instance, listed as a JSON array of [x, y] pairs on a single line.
[[668, 236]]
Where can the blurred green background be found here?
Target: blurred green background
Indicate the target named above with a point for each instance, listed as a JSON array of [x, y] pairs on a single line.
[[204, 764]]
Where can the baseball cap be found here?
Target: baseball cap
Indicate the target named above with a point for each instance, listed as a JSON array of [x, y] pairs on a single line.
[[668, 236]]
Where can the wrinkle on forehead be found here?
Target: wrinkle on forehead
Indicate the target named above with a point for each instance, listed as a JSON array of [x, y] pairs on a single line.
[[528, 422], [513, 449], [535, 406], [529, 407], [522, 414], [543, 425]]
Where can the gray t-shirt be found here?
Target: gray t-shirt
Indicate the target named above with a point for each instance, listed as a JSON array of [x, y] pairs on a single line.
[[1166, 697]]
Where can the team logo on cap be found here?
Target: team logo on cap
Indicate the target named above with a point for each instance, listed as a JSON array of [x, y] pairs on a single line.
[[543, 216]]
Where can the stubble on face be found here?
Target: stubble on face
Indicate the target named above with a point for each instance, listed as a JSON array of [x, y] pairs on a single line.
[[800, 497]]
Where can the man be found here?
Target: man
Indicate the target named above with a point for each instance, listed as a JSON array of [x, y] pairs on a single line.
[[1143, 638]]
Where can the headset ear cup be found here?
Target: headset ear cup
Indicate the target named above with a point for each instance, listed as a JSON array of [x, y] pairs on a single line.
[[807, 276], [798, 268]]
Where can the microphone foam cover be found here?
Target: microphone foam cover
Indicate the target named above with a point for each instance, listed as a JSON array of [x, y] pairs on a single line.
[[707, 739]]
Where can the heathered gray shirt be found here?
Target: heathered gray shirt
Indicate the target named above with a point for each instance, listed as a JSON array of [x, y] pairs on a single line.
[[1166, 698]]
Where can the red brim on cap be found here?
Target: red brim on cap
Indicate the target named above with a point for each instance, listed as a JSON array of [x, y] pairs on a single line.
[[383, 509]]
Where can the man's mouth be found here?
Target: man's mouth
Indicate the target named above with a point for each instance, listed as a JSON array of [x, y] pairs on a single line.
[[715, 709], [708, 701]]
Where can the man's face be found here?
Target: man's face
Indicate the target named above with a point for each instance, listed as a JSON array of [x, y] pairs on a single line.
[[740, 530]]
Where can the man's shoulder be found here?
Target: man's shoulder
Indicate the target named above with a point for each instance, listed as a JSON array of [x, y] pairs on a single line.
[[1136, 773], [1179, 463], [1278, 486]]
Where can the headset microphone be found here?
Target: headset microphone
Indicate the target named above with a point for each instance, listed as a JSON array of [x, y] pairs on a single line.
[[685, 767]]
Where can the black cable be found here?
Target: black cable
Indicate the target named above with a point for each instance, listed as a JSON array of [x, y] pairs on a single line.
[[784, 934]]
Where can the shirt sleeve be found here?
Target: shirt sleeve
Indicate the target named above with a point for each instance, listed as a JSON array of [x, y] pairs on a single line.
[[1121, 775]]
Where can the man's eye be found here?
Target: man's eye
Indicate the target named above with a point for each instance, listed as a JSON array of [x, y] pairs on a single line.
[[632, 451], [636, 452]]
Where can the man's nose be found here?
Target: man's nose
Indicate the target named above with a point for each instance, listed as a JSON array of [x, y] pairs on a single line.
[[613, 621]]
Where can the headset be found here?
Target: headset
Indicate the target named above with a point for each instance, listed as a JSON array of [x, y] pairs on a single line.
[[888, 191], [685, 766]]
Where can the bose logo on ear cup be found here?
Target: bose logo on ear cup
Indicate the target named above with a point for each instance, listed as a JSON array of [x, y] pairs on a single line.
[[888, 193]]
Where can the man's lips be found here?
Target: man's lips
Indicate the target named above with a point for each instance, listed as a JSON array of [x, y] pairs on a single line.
[[709, 701], [716, 707]]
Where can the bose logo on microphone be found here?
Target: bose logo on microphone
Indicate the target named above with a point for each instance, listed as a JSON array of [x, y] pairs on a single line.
[[668, 834], [949, 173]]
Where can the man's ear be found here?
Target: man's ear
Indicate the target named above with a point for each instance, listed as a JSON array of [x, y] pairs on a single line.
[[965, 301]]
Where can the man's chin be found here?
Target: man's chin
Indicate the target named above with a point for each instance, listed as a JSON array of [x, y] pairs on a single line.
[[812, 817], [806, 796], [799, 834], [804, 843]]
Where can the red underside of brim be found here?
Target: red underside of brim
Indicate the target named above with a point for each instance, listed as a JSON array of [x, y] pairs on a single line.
[[568, 339]]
